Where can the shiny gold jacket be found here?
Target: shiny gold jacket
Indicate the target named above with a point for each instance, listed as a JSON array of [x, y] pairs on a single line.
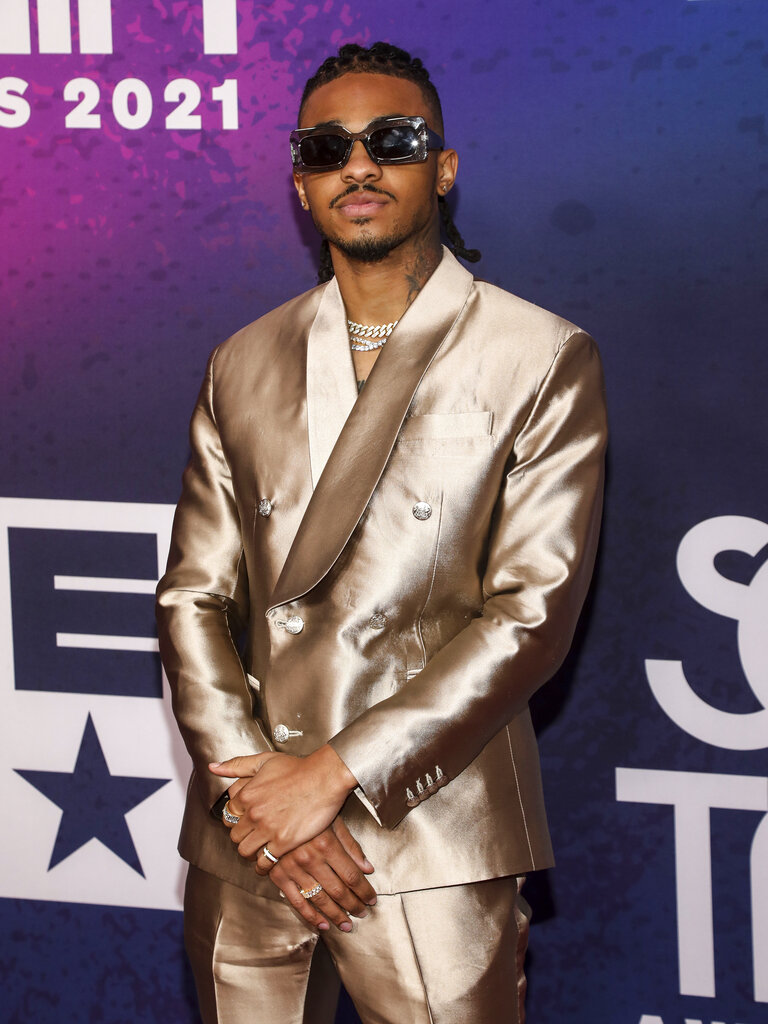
[[395, 573]]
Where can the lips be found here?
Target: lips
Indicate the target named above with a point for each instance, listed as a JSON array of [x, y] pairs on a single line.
[[361, 204], [354, 210]]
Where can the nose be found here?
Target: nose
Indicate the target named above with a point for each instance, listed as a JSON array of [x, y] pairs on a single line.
[[360, 166]]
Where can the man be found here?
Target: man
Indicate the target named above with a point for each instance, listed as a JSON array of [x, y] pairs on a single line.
[[365, 586]]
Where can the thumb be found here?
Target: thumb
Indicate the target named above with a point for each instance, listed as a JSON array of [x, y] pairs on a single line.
[[237, 767], [351, 846]]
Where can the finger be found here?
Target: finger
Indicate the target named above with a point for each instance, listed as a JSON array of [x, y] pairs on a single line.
[[238, 767], [250, 840], [225, 768], [291, 890], [240, 804], [249, 828], [351, 846], [250, 847], [233, 805], [236, 787], [262, 864], [325, 859], [305, 908], [323, 903], [348, 870], [351, 878], [334, 889], [247, 839], [228, 809]]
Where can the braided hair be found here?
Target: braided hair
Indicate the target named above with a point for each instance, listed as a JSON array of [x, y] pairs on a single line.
[[385, 59]]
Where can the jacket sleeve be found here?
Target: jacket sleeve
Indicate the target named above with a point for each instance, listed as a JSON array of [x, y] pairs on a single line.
[[540, 558], [202, 605]]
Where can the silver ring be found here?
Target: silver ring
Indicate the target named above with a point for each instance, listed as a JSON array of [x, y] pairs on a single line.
[[270, 856], [309, 893], [228, 816]]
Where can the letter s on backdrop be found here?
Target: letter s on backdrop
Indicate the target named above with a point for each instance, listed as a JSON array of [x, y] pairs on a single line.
[[15, 111]]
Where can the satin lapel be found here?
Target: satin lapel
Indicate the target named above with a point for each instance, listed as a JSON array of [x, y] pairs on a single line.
[[365, 442], [331, 385]]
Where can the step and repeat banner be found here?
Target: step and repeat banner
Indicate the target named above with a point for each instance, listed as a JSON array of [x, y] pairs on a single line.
[[614, 168]]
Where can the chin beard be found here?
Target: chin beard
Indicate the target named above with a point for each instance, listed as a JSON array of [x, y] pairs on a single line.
[[366, 249]]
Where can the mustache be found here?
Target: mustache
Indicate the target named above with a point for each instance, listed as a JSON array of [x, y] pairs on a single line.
[[359, 188]]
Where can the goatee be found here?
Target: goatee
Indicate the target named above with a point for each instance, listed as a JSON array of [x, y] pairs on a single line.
[[367, 249]]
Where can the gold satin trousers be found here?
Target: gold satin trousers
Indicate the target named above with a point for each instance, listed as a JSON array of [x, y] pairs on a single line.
[[450, 955]]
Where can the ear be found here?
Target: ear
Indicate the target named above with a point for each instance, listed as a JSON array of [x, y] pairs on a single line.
[[447, 167], [298, 183]]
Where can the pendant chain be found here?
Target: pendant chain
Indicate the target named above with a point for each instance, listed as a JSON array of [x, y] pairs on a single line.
[[365, 338]]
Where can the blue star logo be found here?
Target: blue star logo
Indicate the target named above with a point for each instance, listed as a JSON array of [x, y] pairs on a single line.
[[94, 803]]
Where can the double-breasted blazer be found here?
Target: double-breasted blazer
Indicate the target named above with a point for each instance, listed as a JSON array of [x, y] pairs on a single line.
[[394, 573]]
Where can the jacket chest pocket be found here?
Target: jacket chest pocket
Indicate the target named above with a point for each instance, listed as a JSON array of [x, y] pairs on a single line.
[[457, 435]]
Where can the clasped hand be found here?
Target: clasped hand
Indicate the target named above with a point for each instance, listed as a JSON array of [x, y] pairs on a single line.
[[292, 805]]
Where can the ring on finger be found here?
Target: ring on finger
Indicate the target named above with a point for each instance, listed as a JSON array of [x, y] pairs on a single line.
[[270, 856], [314, 891], [228, 816]]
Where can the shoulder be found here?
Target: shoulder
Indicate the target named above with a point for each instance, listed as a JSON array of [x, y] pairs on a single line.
[[520, 320], [279, 330]]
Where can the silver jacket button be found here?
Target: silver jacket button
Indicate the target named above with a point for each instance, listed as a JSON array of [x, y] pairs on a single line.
[[282, 733], [294, 624], [422, 510], [377, 621], [265, 507]]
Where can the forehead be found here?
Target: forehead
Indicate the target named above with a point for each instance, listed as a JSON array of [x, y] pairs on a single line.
[[356, 99]]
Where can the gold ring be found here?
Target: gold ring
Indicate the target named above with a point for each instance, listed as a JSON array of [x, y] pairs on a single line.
[[228, 816], [309, 893]]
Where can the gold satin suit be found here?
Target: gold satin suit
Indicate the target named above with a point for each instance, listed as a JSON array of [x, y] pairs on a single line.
[[406, 566]]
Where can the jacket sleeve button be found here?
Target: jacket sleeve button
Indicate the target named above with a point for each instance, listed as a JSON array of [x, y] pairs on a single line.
[[265, 507], [294, 624], [422, 510], [377, 621]]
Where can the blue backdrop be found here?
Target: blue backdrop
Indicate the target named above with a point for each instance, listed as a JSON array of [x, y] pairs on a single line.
[[614, 168]]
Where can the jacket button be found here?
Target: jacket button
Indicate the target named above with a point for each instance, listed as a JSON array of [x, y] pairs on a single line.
[[422, 510], [265, 507], [294, 625], [377, 621], [281, 733]]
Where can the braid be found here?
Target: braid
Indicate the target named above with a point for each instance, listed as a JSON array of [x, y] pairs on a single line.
[[386, 59], [456, 242], [380, 59], [325, 270]]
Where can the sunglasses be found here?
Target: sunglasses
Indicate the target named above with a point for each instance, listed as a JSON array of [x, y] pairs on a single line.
[[390, 140]]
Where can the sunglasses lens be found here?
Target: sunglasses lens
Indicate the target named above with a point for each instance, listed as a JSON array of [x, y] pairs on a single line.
[[323, 150], [394, 143]]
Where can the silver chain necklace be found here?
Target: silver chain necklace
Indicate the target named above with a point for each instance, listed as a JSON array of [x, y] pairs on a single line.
[[364, 338]]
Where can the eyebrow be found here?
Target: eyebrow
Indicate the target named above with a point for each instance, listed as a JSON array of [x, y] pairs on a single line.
[[336, 123]]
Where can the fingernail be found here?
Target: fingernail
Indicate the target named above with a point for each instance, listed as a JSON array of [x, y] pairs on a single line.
[[367, 865], [214, 764], [346, 927], [323, 926], [362, 913], [372, 903]]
